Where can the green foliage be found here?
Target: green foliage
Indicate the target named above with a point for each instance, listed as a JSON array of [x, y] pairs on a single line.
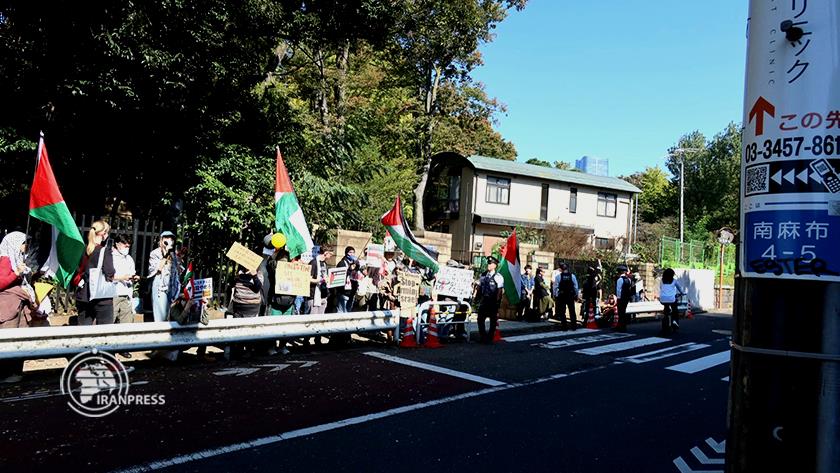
[[564, 166], [538, 162], [658, 198]]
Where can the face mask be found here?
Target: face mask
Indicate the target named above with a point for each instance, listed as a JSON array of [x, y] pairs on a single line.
[[123, 251]]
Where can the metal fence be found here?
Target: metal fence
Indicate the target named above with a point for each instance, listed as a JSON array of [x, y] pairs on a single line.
[[698, 255]]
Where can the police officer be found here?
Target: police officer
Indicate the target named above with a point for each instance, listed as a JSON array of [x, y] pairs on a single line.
[[565, 295], [589, 292], [490, 287], [624, 292]]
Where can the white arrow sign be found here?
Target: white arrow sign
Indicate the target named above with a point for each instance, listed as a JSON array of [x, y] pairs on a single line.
[[702, 458], [816, 177], [777, 178], [789, 176], [803, 176], [237, 371]]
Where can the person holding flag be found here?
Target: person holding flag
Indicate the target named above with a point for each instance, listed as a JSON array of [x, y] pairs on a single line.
[[163, 269], [489, 294]]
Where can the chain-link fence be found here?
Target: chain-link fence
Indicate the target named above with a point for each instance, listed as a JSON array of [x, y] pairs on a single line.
[[698, 255]]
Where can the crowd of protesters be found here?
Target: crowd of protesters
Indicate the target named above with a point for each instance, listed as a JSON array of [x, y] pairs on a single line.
[[106, 290]]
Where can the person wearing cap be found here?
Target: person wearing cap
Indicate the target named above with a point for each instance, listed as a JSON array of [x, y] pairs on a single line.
[[624, 292], [490, 288], [163, 269], [565, 294]]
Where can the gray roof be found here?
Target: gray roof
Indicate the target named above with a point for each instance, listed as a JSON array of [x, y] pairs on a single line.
[[484, 163]]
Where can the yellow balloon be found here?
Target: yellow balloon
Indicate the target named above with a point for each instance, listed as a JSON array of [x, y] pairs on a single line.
[[278, 240]]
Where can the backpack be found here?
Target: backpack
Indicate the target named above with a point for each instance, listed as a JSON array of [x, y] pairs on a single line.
[[626, 288]]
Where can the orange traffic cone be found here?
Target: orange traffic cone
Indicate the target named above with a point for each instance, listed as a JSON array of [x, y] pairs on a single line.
[[408, 339], [590, 321], [432, 340], [689, 314], [497, 334]]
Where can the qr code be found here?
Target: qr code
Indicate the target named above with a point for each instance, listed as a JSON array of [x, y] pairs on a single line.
[[758, 179]]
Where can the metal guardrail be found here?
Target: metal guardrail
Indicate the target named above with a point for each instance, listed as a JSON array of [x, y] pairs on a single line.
[[47, 342]]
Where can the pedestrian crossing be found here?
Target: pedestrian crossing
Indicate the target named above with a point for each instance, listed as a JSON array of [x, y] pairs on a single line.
[[619, 343]]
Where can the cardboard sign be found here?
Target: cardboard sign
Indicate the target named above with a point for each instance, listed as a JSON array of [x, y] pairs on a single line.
[[242, 255], [409, 289], [454, 282], [291, 279], [203, 290], [336, 277], [374, 255], [390, 245]]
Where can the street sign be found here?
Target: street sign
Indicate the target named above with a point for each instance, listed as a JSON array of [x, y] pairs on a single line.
[[790, 189]]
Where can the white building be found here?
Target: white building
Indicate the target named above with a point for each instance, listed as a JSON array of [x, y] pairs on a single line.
[[477, 198]]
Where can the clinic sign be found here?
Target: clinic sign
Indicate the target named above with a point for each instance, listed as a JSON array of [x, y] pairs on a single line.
[[790, 188]]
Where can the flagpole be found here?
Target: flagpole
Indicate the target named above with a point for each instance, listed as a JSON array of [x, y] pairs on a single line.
[[37, 160]]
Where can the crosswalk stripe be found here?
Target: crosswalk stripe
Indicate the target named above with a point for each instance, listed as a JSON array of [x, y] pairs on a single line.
[[701, 364], [583, 340], [539, 336], [622, 346], [663, 353]]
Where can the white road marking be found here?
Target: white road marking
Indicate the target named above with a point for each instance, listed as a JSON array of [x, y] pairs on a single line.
[[664, 353], [539, 336], [719, 448], [702, 458], [622, 346], [436, 369], [238, 447], [701, 364], [725, 378], [684, 468], [236, 371], [583, 340]]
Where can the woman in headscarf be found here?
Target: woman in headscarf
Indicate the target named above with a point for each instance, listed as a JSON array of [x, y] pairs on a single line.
[[17, 299]]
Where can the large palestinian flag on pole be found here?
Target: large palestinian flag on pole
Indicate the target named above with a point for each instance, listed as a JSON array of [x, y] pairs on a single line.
[[288, 216], [47, 204], [510, 269], [396, 225]]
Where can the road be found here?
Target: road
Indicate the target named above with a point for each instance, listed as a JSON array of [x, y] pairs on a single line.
[[583, 401]]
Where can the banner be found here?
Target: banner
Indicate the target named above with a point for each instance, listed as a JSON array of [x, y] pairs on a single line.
[[454, 282], [242, 255], [292, 279], [374, 255], [409, 289], [336, 277]]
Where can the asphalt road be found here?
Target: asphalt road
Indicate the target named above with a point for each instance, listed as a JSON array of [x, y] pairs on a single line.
[[584, 401]]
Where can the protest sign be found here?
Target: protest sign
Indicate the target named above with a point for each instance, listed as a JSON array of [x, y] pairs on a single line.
[[336, 277], [374, 255], [390, 245], [291, 279], [409, 289], [454, 282], [202, 290], [242, 255]]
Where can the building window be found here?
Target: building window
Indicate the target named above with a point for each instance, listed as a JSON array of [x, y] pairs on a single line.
[[544, 203], [603, 243], [498, 190], [606, 204], [573, 200], [454, 204]]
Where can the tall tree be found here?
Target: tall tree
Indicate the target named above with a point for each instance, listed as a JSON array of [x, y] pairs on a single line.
[[658, 197], [438, 44]]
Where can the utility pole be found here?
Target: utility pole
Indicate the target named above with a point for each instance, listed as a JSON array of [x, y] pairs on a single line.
[[784, 400]]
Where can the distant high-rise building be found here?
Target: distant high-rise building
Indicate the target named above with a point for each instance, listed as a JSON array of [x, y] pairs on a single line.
[[593, 165]]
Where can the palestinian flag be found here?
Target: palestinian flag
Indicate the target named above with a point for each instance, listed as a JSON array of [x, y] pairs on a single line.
[[47, 204], [510, 269], [288, 216], [188, 284], [397, 227]]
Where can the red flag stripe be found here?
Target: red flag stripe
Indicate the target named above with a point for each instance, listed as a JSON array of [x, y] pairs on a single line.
[[44, 187], [282, 183]]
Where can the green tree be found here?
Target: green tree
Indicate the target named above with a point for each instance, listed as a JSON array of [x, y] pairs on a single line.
[[538, 162], [564, 166], [658, 198]]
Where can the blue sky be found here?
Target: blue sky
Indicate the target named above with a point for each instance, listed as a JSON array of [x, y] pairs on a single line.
[[615, 78]]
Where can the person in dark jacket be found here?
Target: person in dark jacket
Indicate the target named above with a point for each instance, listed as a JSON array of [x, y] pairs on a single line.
[[95, 299], [624, 292], [589, 292]]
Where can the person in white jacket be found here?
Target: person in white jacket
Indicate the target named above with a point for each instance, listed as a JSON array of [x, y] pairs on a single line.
[[669, 291]]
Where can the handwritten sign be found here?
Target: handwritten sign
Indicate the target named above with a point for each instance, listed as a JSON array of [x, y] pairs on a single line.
[[336, 277], [454, 282], [409, 289], [374, 255], [242, 255], [291, 279]]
